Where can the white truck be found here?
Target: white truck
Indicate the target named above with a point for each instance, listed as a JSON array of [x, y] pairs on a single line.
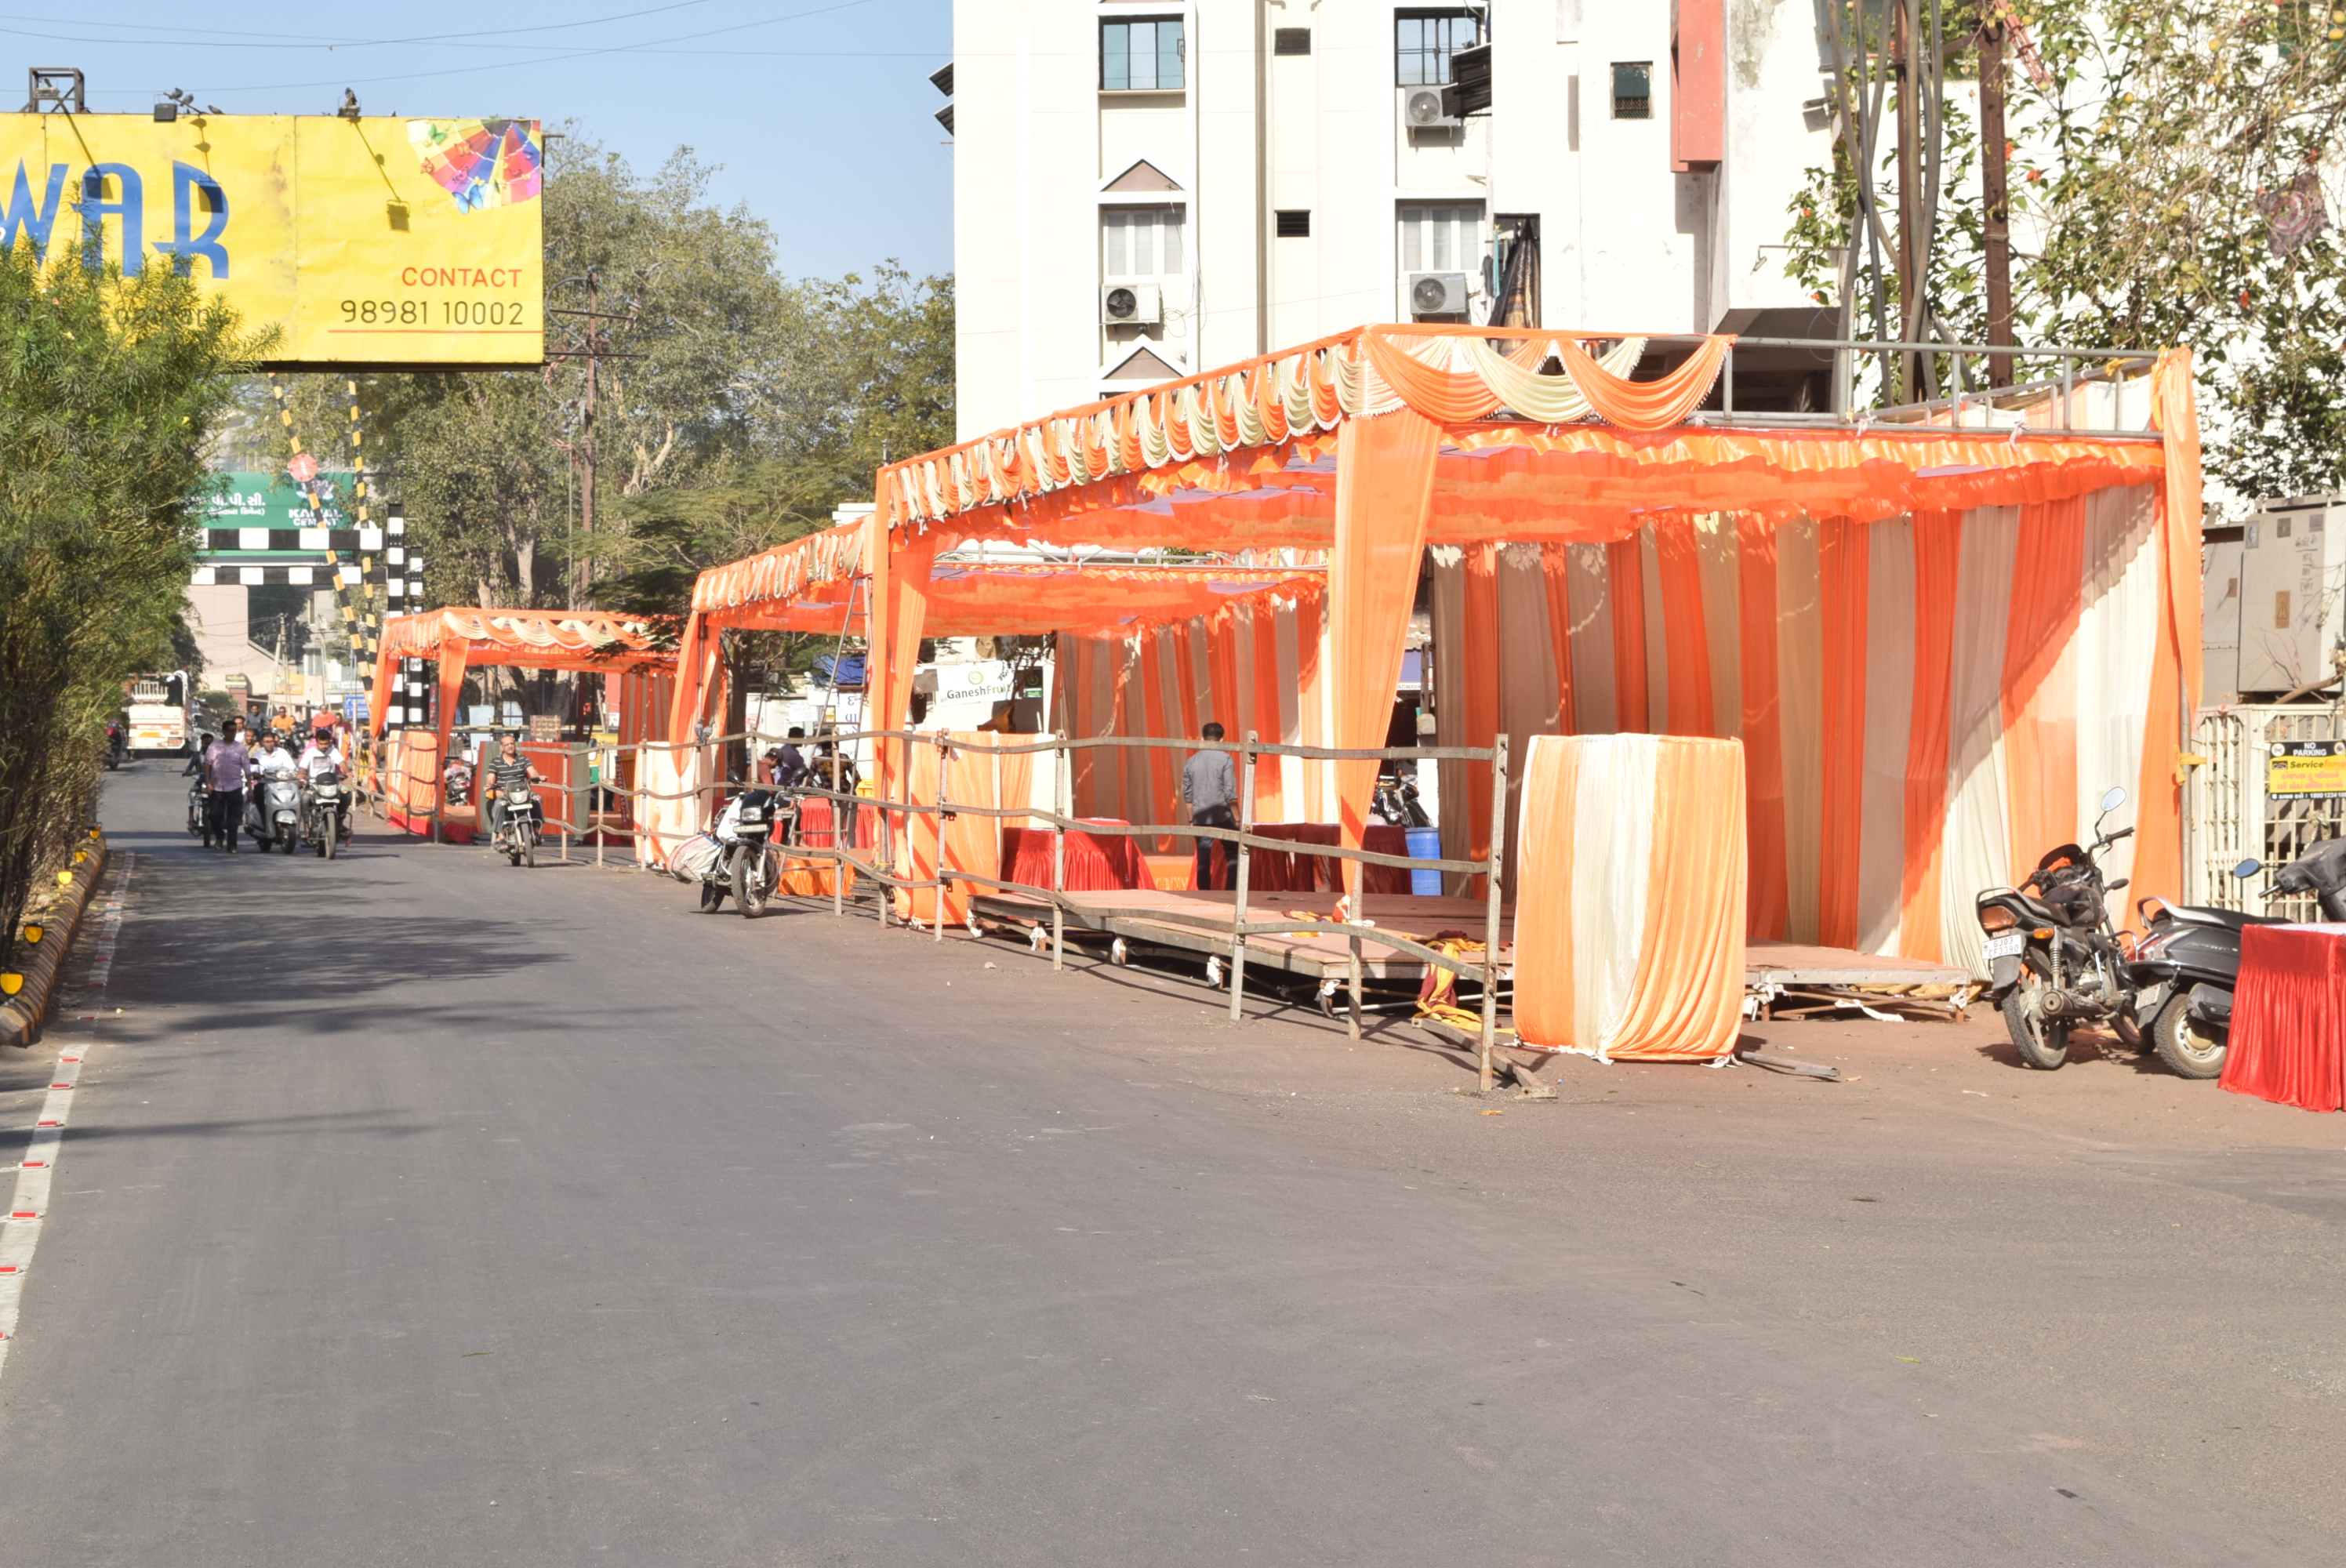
[[161, 712]]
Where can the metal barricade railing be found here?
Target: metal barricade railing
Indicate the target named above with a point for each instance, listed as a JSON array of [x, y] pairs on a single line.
[[896, 813]]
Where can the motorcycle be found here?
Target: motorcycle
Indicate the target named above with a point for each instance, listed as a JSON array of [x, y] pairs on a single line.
[[749, 867], [459, 782], [325, 821], [2054, 961], [1395, 802], [2188, 962], [516, 837], [199, 801], [114, 746], [273, 814]]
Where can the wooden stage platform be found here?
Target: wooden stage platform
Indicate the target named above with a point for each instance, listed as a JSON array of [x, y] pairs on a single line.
[[1786, 976]]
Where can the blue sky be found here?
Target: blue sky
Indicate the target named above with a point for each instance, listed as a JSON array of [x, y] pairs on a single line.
[[818, 111]]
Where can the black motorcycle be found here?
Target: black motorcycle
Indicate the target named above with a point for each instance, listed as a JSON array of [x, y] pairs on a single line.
[[2188, 964], [325, 818], [2054, 961], [1395, 802], [752, 868]]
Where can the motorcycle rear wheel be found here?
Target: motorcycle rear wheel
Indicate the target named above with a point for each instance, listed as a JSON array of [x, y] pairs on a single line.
[[2184, 1044], [2042, 1045]]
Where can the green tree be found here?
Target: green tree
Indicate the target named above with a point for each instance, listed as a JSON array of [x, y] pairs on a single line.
[[111, 390], [2160, 148]]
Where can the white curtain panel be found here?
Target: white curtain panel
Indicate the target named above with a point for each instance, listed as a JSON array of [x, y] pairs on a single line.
[[1978, 828], [2117, 634], [1889, 723], [1612, 853]]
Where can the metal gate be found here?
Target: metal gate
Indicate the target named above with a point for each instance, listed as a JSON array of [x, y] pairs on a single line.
[[2231, 817]]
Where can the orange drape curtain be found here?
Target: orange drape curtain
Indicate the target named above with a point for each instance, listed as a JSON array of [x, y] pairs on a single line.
[[1384, 497], [1938, 553], [1841, 569], [1683, 630], [1626, 569], [899, 585], [454, 654], [1645, 405], [1481, 697], [1688, 1001], [2040, 680], [1555, 568], [1763, 727]]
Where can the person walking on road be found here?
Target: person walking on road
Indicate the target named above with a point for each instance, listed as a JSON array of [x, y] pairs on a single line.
[[1209, 785], [224, 769]]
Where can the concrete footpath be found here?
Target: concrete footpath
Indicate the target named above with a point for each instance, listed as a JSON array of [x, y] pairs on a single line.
[[419, 1209]]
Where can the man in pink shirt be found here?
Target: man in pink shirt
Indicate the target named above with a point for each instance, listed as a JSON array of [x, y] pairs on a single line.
[[225, 767]]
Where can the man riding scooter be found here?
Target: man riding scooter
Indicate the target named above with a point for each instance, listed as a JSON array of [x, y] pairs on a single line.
[[509, 769], [271, 763]]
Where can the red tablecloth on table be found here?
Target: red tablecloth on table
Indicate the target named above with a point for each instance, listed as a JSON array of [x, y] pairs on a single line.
[[1275, 870], [815, 819], [2288, 1017], [1097, 862]]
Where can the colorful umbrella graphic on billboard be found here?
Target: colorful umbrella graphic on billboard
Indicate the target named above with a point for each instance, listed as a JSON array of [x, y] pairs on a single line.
[[483, 164]]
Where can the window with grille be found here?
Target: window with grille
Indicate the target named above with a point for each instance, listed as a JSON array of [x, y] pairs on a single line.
[[1141, 243], [1441, 238], [1290, 41], [1142, 55], [1633, 90], [1294, 225], [1424, 43]]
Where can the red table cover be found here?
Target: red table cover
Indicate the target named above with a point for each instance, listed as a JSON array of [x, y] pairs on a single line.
[[1275, 872], [2288, 1017], [1097, 862], [815, 819]]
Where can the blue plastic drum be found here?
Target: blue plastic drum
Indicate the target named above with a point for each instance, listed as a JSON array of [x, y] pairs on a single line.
[[1426, 844]]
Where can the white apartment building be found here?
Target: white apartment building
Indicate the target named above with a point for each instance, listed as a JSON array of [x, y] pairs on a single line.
[[1144, 191]]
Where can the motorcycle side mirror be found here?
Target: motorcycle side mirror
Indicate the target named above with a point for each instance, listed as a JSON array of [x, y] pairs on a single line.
[[2115, 798], [2247, 868]]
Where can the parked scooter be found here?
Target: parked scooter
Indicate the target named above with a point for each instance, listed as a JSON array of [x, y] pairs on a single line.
[[459, 782], [2054, 961], [2188, 964], [273, 813], [325, 814]]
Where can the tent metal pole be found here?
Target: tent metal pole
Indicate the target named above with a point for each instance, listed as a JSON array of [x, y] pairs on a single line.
[[1245, 867], [1353, 883], [1063, 771], [943, 754], [1491, 910]]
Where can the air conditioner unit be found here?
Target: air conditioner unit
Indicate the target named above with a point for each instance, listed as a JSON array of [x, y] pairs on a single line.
[[1420, 109], [1437, 294], [1132, 304]]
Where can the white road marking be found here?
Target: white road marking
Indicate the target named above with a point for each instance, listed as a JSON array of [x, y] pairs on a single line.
[[20, 1232]]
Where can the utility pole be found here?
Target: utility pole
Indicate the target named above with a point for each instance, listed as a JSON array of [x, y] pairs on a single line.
[[582, 589], [1994, 197], [1908, 80]]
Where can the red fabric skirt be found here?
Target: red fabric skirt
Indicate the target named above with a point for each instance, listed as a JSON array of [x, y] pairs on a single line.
[[1097, 862], [816, 819], [2288, 1017], [1301, 872]]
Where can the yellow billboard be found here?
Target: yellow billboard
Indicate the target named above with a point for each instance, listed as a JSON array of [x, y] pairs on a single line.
[[367, 241]]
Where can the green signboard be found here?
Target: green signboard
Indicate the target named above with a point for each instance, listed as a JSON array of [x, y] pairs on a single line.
[[273, 501]]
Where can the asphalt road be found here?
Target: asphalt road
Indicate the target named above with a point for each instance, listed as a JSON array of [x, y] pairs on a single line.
[[417, 1209]]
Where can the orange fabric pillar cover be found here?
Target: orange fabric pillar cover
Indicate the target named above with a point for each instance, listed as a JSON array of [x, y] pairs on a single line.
[[1629, 929], [899, 600], [696, 668], [453, 654], [1384, 498]]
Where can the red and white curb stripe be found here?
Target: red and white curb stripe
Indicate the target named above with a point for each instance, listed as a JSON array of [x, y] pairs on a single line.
[[20, 1232]]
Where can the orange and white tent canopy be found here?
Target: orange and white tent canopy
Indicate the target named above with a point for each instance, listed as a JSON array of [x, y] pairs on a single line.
[[1926, 635], [456, 639]]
